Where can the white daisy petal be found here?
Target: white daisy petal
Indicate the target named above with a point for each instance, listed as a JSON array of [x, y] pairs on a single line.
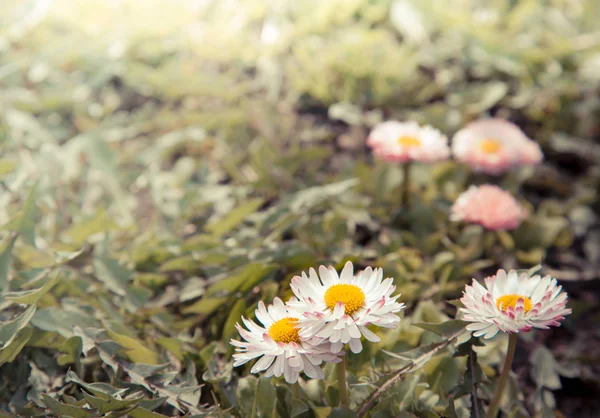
[[355, 345]]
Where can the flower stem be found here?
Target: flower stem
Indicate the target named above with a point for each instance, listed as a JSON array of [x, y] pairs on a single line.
[[296, 390], [406, 185], [503, 379], [342, 386]]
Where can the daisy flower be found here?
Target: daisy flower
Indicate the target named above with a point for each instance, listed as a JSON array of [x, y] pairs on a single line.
[[494, 146], [512, 302], [281, 349], [407, 141], [340, 308], [489, 206]]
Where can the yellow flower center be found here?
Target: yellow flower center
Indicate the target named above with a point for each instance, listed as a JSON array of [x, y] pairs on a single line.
[[350, 295], [285, 331], [503, 302], [490, 146], [409, 141]]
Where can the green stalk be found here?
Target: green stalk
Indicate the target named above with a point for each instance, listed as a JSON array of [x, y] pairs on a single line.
[[296, 390], [342, 385], [406, 185], [503, 379]]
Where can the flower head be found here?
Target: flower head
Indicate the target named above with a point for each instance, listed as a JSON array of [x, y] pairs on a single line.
[[281, 349], [513, 303], [402, 142], [489, 206], [339, 308], [494, 146]]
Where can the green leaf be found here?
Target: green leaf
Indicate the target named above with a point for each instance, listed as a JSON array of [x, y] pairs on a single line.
[[185, 264], [29, 297], [114, 276], [24, 221], [342, 412], [235, 217], [72, 347], [173, 345], [101, 390], [205, 306], [245, 393], [135, 350], [545, 369], [65, 410], [9, 352], [9, 330], [234, 317], [83, 229], [62, 321], [265, 397], [406, 391], [140, 412], [445, 329], [110, 404], [7, 166], [245, 279], [5, 260]]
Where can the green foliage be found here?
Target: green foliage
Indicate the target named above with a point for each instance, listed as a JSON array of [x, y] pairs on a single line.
[[164, 171]]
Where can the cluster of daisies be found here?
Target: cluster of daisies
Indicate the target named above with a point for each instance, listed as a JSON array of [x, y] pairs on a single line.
[[491, 146], [329, 311]]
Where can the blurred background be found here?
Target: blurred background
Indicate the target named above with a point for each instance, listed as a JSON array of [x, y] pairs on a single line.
[[173, 156]]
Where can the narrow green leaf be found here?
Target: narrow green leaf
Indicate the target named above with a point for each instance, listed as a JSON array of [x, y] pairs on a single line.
[[244, 279], [234, 316], [235, 217], [83, 229], [29, 297], [205, 306], [5, 260], [135, 350], [9, 330], [265, 398], [72, 348], [114, 275], [101, 390], [110, 404], [9, 352], [24, 221], [7, 166], [65, 410], [140, 412], [185, 264]]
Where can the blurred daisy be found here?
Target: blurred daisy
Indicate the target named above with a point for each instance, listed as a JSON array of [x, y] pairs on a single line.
[[489, 206], [340, 308], [513, 303], [407, 141], [494, 146], [281, 349]]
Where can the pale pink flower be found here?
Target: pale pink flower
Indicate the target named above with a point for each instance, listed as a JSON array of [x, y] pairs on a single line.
[[402, 142], [513, 303], [489, 206], [494, 146]]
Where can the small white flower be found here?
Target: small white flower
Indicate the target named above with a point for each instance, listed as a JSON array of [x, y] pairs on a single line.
[[513, 303], [282, 350], [339, 308], [395, 141]]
